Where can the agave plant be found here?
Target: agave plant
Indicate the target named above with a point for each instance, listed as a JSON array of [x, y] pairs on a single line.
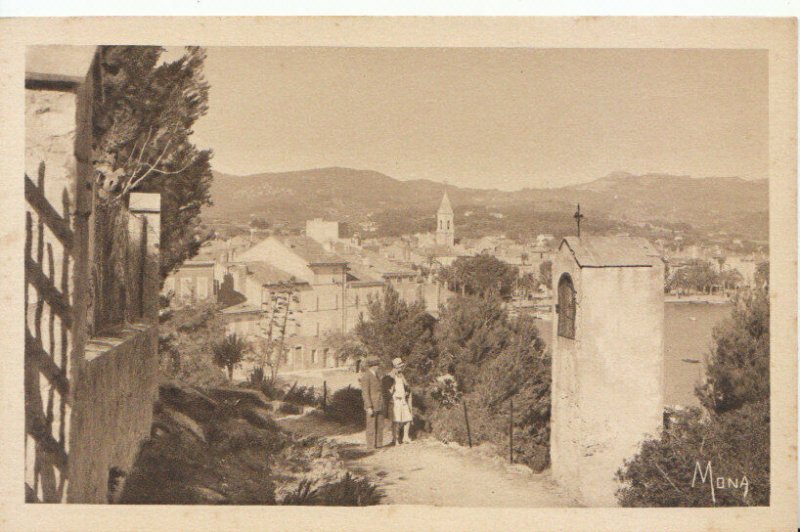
[[303, 495]]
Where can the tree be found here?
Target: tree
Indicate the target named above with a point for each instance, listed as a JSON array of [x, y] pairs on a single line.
[[471, 331], [738, 368], [731, 279], [259, 223], [546, 274], [732, 434], [482, 275], [394, 328], [346, 346], [697, 275], [229, 352], [141, 140], [761, 276], [184, 339], [522, 372], [527, 284]]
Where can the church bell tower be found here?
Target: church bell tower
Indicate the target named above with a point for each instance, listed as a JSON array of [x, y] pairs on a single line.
[[445, 231]]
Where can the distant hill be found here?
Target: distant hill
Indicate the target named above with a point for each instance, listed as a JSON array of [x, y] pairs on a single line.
[[708, 204]]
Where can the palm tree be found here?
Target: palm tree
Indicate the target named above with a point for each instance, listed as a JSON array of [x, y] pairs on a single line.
[[229, 352]]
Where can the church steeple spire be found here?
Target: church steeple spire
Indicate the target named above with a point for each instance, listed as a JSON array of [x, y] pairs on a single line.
[[445, 229]]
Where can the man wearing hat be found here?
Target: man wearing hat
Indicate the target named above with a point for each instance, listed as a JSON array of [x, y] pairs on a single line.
[[374, 405]]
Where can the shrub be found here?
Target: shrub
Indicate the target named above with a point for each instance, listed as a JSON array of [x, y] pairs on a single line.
[[347, 406], [256, 376], [271, 390], [347, 491], [736, 444], [304, 495], [302, 395], [290, 409]]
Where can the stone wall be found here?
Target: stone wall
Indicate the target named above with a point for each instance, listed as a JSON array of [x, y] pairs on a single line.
[[112, 409]]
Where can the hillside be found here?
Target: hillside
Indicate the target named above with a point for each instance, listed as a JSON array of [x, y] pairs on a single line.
[[708, 204]]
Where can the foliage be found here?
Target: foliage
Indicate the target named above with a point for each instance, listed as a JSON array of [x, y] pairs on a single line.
[[394, 328], [471, 331], [290, 409], [527, 285], [346, 346], [303, 495], [697, 276], [546, 274], [259, 223], [347, 406], [495, 360], [184, 340], [483, 275], [732, 433], [347, 491], [228, 352], [762, 275], [738, 368], [141, 140], [302, 395], [522, 373], [735, 443], [445, 391]]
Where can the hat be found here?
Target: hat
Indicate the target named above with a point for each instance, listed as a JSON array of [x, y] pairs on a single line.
[[397, 363], [373, 361]]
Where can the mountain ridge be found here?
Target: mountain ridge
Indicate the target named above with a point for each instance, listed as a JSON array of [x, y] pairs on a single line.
[[708, 203]]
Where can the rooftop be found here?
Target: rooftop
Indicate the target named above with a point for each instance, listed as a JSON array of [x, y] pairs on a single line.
[[265, 273], [611, 251], [241, 308], [310, 250]]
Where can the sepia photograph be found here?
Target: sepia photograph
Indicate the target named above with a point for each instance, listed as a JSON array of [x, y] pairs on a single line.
[[441, 276]]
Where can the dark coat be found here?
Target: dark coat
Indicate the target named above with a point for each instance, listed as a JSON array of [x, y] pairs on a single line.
[[372, 392]]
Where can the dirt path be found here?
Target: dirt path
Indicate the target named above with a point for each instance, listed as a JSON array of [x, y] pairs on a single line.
[[429, 472]]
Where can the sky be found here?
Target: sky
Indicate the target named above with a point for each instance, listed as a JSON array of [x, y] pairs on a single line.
[[503, 118]]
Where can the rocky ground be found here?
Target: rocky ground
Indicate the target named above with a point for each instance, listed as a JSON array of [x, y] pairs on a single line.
[[222, 446]]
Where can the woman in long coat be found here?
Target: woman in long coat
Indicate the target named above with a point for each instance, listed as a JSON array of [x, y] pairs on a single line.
[[401, 403]]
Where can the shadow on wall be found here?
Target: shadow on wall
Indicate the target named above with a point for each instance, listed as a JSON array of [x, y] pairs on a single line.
[[228, 296]]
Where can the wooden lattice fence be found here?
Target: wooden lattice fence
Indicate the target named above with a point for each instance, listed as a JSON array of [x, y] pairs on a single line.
[[48, 322]]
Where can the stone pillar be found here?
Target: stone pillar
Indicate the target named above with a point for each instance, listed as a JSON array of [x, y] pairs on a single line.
[[147, 206]]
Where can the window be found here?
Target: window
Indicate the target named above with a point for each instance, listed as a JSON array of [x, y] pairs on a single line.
[[187, 289], [202, 288], [313, 356], [298, 356], [566, 307], [448, 225]]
